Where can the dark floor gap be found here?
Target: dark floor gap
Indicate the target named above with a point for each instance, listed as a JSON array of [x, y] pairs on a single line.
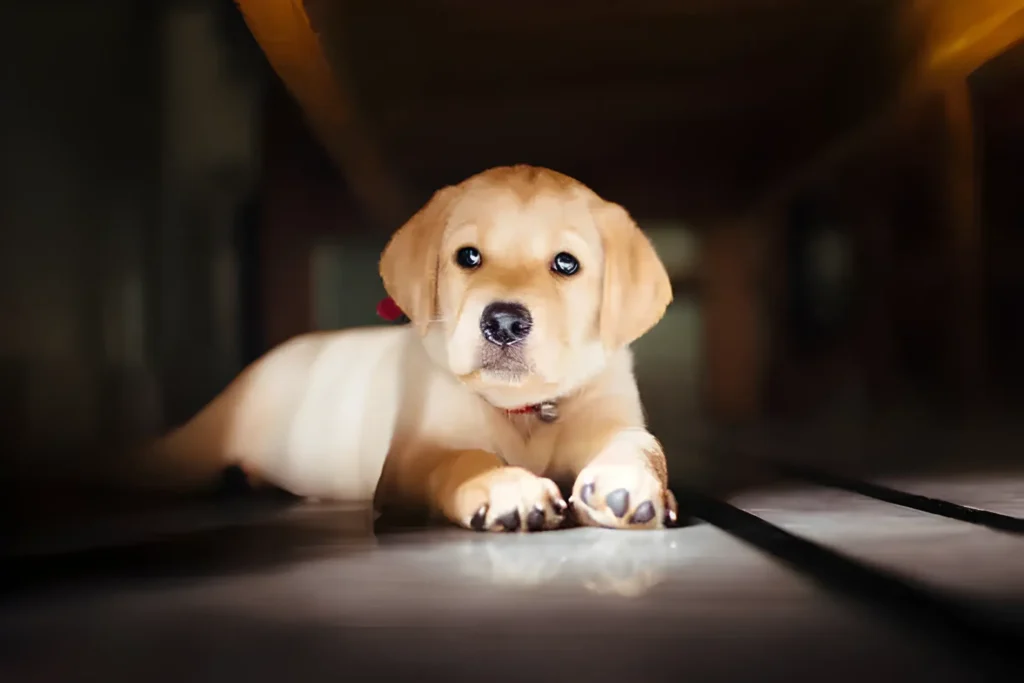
[[991, 644], [996, 521], [935, 506]]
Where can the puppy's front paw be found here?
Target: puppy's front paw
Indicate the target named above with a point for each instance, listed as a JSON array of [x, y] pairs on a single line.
[[508, 499], [622, 489]]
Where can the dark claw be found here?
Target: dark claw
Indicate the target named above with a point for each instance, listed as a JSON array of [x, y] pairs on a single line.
[[643, 514], [479, 519], [586, 492], [618, 502], [559, 506], [671, 518], [509, 520], [535, 520]]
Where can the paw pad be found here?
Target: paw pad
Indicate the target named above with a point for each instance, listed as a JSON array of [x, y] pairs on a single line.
[[618, 502], [615, 509]]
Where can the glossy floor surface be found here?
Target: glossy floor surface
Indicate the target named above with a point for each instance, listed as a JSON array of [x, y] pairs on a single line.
[[805, 582]]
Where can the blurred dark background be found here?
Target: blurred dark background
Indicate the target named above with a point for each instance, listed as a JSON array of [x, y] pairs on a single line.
[[831, 185]]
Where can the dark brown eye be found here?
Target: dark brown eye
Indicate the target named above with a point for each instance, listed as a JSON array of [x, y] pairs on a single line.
[[468, 258], [565, 264]]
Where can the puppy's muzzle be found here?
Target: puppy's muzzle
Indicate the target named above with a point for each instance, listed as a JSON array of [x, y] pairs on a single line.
[[504, 323]]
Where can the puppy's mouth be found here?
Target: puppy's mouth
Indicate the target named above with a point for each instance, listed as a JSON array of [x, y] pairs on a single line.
[[506, 364]]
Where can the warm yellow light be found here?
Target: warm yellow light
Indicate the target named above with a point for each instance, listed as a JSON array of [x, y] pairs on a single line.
[[283, 31], [969, 33]]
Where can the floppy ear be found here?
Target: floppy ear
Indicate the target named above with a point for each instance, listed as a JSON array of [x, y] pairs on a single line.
[[637, 289], [409, 262]]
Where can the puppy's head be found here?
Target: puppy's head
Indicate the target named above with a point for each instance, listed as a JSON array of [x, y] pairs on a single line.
[[523, 281]]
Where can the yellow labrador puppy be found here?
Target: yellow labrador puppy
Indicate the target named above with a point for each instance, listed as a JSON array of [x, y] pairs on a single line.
[[524, 290]]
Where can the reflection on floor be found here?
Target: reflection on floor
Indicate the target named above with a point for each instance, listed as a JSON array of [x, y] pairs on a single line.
[[782, 585]]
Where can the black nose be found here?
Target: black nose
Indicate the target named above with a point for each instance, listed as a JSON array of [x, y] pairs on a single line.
[[504, 323]]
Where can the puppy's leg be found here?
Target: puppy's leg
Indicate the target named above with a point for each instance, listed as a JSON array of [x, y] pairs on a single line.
[[475, 489], [625, 485], [621, 478]]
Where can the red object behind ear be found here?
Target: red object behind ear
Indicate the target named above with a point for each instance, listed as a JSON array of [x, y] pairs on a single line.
[[389, 310]]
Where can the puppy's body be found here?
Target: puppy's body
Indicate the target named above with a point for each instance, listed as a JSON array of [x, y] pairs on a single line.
[[321, 414], [438, 412]]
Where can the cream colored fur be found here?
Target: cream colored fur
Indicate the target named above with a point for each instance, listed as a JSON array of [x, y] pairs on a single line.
[[406, 414]]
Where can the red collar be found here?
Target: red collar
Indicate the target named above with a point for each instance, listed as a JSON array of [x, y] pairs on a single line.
[[389, 310], [524, 410], [545, 412]]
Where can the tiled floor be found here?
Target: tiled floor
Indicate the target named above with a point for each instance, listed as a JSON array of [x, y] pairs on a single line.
[[312, 593]]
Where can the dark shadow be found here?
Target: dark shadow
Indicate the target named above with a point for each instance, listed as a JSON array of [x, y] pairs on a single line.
[[992, 643], [252, 323], [219, 538], [996, 90]]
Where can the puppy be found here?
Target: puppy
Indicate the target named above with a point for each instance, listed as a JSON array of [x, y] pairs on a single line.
[[524, 290]]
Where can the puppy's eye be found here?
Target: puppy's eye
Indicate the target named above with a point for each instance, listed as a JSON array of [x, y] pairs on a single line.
[[468, 258], [565, 264]]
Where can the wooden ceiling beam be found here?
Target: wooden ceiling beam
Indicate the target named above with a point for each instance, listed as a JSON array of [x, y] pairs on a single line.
[[406, 45], [283, 30], [959, 39], [529, 13], [635, 82], [685, 105]]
